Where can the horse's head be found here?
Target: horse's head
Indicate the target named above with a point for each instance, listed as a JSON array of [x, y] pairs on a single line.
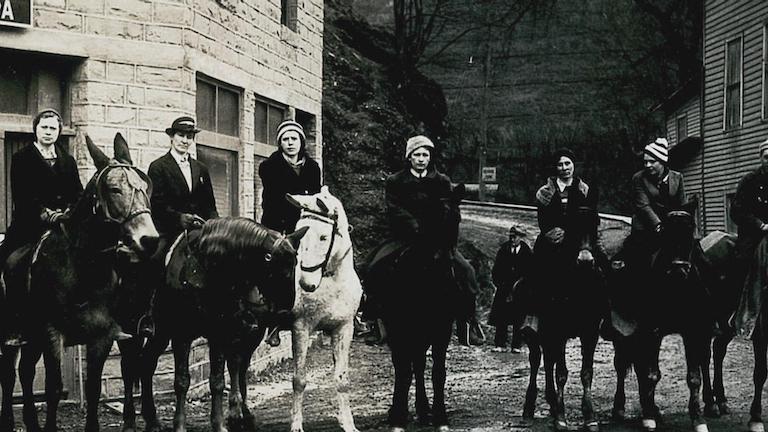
[[327, 244], [677, 242], [118, 195], [581, 235]]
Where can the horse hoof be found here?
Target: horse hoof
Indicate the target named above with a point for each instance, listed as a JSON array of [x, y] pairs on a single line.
[[397, 429], [724, 410], [756, 427], [592, 426], [561, 425], [442, 428], [423, 420], [618, 414], [528, 414], [649, 424], [701, 427], [711, 411]]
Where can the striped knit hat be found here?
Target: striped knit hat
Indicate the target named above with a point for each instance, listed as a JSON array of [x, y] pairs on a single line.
[[763, 147], [658, 150], [291, 125]]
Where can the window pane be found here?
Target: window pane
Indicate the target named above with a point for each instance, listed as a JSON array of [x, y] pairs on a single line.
[[261, 134], [228, 113], [734, 62], [275, 118], [222, 165], [682, 129], [206, 106], [14, 84]]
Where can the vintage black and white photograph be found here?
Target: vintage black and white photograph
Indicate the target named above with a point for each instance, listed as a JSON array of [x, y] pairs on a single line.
[[383, 215]]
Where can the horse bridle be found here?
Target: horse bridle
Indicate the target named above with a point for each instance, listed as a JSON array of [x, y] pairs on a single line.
[[332, 220], [100, 201]]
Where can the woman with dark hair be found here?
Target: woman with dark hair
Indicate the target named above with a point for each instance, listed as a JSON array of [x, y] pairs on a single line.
[[45, 184], [289, 170]]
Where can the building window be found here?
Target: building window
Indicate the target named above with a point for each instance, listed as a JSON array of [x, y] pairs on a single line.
[[289, 14], [218, 107], [222, 165], [733, 81], [267, 116], [682, 128]]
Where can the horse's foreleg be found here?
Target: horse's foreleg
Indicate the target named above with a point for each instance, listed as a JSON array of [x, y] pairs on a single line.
[[695, 347], [129, 362], [422, 402], [561, 377], [30, 355], [760, 348], [300, 341], [534, 360], [247, 353], [550, 393], [181, 382], [588, 345], [648, 375], [216, 382], [720, 348], [707, 395], [439, 350], [96, 355], [7, 381], [401, 360], [236, 402], [621, 363], [341, 340], [148, 364]]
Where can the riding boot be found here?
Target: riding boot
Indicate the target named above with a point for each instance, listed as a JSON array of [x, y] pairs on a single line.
[[476, 334], [274, 336]]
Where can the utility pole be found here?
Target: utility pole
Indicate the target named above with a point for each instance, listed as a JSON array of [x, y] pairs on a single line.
[[482, 148]]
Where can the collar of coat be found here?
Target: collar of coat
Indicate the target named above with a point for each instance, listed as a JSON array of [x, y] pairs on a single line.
[[545, 193]]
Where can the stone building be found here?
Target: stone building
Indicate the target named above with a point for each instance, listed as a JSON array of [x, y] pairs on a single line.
[[132, 66]]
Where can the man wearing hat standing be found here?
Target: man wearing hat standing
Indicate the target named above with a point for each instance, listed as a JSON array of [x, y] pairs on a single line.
[[410, 195], [749, 210], [182, 194], [513, 262], [288, 170]]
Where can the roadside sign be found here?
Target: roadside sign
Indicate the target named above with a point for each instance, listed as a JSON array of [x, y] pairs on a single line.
[[489, 174]]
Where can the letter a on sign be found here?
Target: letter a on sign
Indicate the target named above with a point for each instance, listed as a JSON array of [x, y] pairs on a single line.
[[7, 12]]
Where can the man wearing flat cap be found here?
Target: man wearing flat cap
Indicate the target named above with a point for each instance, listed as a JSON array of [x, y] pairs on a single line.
[[514, 260], [411, 195], [749, 210], [182, 193]]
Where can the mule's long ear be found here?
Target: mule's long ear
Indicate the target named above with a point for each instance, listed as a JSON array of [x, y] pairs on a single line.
[[293, 201], [122, 153], [691, 205], [295, 237], [323, 207], [99, 158]]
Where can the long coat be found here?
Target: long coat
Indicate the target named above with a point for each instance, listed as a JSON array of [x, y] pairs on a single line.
[[36, 185], [650, 204], [410, 201], [549, 210], [509, 268], [279, 178], [171, 196]]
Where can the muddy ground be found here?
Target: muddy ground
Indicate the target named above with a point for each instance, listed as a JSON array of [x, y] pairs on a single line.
[[485, 389]]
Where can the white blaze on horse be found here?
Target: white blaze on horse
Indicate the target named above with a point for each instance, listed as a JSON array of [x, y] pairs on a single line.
[[328, 294]]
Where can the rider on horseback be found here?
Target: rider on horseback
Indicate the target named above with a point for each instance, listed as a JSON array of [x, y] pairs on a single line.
[[289, 170], [749, 210], [45, 184], [410, 195], [182, 199]]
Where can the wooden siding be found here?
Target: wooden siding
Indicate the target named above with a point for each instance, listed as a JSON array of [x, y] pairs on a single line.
[[728, 155], [692, 172]]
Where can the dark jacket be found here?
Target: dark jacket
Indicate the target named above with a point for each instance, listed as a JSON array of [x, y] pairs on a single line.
[[749, 210], [508, 268], [550, 211], [651, 204], [410, 201], [171, 196], [279, 178], [36, 185]]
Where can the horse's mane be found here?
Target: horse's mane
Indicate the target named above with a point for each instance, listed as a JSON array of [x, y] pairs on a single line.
[[234, 238]]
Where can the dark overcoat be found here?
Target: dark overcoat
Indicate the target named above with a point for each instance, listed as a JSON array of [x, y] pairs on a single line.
[[652, 204], [549, 210], [36, 185], [171, 196], [508, 268], [411, 201], [279, 178]]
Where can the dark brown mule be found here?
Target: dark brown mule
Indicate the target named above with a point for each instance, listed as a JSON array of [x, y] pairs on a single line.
[[571, 301], [72, 283], [216, 279]]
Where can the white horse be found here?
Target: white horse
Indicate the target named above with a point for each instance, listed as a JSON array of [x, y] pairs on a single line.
[[327, 296]]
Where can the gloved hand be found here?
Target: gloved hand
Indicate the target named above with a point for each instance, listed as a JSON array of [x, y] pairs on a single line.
[[191, 221], [555, 235], [50, 217]]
